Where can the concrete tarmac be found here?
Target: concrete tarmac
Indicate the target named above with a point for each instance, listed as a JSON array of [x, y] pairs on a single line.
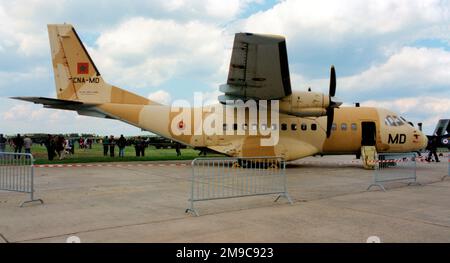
[[142, 203]]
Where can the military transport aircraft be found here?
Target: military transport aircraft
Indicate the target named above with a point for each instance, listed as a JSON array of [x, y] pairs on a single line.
[[309, 123]]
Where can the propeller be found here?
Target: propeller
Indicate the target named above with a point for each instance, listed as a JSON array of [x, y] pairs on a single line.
[[333, 104]]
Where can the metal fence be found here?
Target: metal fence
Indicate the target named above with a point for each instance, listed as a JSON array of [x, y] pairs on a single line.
[[448, 167], [390, 167], [17, 174], [228, 177]]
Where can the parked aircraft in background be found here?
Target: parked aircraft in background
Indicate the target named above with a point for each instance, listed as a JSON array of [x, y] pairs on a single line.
[[441, 134]]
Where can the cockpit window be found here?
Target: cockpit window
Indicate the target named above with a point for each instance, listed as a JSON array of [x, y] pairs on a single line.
[[398, 121], [392, 120], [408, 122]]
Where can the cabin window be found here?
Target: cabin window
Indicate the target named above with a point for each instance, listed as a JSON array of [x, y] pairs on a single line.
[[235, 126], [283, 126], [313, 126], [344, 126], [354, 127], [293, 126], [274, 127], [304, 127], [333, 126], [224, 126]]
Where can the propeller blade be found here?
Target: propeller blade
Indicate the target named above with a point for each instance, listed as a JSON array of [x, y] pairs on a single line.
[[330, 119], [332, 90]]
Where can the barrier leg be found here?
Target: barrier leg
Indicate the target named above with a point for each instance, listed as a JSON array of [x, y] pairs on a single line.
[[414, 182], [285, 195], [377, 184], [192, 209], [415, 177], [32, 200]]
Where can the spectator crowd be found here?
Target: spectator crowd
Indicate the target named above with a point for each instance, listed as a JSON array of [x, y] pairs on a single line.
[[59, 146]]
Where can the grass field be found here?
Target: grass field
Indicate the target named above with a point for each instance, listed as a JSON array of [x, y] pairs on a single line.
[[96, 155]]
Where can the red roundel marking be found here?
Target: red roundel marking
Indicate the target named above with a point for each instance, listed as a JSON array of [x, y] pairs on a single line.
[[181, 125]]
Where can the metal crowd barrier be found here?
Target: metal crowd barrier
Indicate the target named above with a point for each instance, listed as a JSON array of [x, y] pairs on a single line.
[[228, 177], [391, 167], [448, 167], [17, 174]]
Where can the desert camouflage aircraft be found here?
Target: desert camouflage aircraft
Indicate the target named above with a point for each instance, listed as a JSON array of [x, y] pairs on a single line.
[[310, 123]]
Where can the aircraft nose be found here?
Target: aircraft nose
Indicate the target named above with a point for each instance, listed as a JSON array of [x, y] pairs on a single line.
[[421, 140], [424, 141]]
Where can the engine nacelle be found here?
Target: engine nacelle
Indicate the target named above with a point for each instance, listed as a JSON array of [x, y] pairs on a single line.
[[305, 104]]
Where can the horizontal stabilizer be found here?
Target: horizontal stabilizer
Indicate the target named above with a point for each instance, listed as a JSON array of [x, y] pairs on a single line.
[[48, 101], [87, 109]]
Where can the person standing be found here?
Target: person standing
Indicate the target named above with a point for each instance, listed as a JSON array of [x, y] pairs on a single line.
[[50, 145], [90, 141], [67, 149], [72, 146], [202, 151], [177, 149], [60, 146], [143, 146], [137, 145], [121, 143], [105, 146], [18, 144], [112, 146], [2, 143], [27, 142], [432, 148], [81, 142]]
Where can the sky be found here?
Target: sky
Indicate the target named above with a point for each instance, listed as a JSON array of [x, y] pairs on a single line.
[[387, 53]]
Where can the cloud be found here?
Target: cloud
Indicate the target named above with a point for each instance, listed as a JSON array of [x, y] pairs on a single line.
[[26, 112], [160, 96], [218, 10], [167, 48], [410, 72], [6, 77], [24, 22], [293, 17], [351, 33]]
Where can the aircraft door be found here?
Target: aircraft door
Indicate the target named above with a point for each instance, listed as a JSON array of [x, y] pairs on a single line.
[[369, 133]]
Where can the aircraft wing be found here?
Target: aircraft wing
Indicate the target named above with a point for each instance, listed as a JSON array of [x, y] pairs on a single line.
[[442, 127], [258, 69]]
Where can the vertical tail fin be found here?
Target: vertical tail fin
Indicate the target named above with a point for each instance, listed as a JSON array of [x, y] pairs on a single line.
[[76, 76]]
